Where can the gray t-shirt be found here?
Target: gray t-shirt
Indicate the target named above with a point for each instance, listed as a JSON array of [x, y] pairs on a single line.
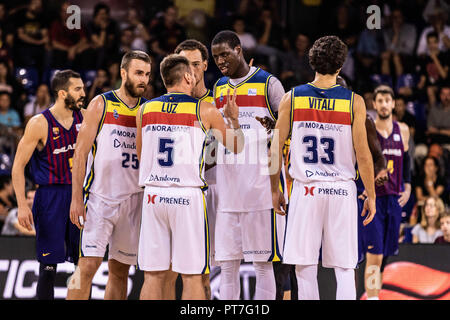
[[423, 235], [439, 117]]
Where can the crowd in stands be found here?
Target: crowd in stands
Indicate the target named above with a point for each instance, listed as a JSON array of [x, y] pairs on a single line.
[[410, 53]]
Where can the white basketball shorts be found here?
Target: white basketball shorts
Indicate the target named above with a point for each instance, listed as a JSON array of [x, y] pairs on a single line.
[[114, 225], [252, 236], [322, 214], [174, 229]]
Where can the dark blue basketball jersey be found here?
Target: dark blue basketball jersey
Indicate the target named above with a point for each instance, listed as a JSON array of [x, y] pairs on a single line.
[[393, 150], [53, 164]]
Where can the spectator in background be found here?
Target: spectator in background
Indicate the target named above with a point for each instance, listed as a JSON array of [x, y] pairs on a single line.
[[100, 85], [433, 68], [7, 198], [166, 33], [296, 68], [270, 39], [369, 48], [126, 40], [70, 46], [445, 228], [437, 19], [8, 117], [248, 41], [429, 182], [10, 84], [31, 37], [114, 74], [403, 115], [38, 103], [427, 231], [345, 27], [103, 33], [6, 36], [399, 41], [438, 121], [11, 226], [140, 34]]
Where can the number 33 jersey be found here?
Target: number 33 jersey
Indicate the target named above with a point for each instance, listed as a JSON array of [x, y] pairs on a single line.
[[173, 142], [321, 134], [112, 169]]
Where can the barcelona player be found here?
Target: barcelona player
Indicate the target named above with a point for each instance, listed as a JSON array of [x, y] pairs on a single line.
[[48, 146]]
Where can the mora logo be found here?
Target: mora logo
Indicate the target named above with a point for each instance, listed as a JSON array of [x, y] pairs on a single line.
[[151, 199], [309, 190]]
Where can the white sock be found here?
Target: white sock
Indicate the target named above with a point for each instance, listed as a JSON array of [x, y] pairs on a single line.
[[265, 281], [308, 287], [373, 298], [230, 284], [346, 287]]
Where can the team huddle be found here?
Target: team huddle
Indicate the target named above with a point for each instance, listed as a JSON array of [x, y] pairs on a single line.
[[198, 178]]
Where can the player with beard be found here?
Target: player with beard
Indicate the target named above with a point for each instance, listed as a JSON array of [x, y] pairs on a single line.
[[105, 176], [380, 238], [48, 145]]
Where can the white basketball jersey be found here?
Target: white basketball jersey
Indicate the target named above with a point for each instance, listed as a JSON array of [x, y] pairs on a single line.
[[173, 142], [112, 167], [321, 134]]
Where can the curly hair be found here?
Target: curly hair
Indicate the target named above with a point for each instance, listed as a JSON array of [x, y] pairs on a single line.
[[327, 55]]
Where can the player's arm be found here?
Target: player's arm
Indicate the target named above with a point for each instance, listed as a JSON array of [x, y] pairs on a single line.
[[281, 133], [404, 196], [35, 131], [379, 160], [363, 156], [139, 132], [85, 140], [230, 135]]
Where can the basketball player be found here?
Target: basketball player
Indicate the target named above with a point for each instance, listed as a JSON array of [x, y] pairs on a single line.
[[380, 177], [172, 131], [326, 123], [48, 144], [197, 54], [246, 226], [381, 237], [106, 159]]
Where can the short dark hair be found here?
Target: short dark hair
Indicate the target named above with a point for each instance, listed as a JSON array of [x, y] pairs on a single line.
[[100, 6], [383, 89], [228, 37], [4, 180], [173, 68], [327, 55], [191, 45], [5, 92], [60, 80], [134, 54], [432, 34]]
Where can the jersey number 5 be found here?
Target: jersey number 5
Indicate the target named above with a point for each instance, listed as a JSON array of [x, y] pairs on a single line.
[[166, 150]]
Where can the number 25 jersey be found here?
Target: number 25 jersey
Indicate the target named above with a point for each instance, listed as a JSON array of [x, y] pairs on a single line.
[[112, 169], [321, 134]]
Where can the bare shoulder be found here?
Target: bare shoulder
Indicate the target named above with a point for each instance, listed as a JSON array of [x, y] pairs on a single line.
[[96, 104], [403, 127], [37, 124]]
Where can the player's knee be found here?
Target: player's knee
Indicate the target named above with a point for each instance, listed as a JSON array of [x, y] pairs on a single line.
[[171, 277], [191, 278], [118, 270], [155, 276], [88, 266]]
